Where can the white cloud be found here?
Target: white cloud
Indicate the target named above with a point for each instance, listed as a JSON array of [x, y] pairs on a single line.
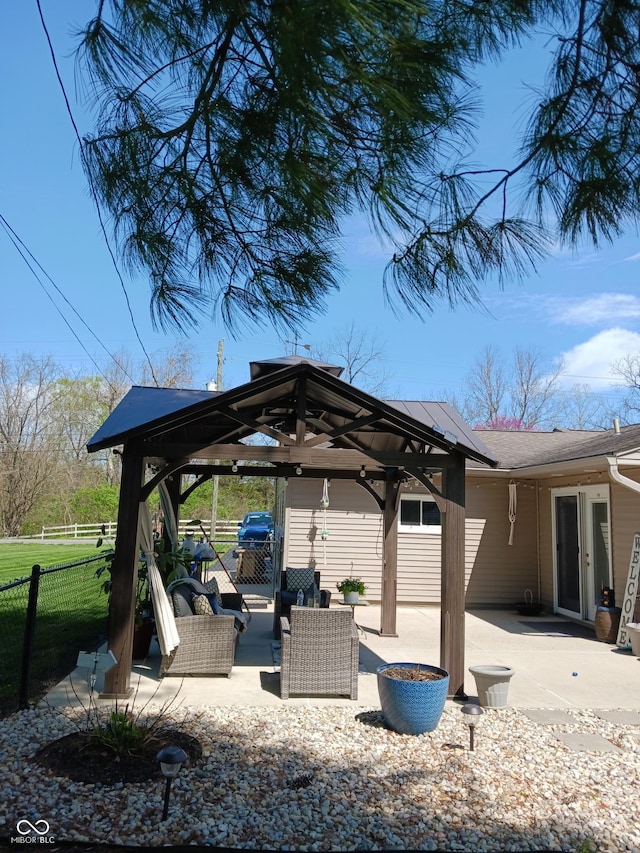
[[604, 308], [632, 258], [589, 363]]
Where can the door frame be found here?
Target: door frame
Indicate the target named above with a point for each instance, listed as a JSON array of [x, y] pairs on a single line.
[[586, 496]]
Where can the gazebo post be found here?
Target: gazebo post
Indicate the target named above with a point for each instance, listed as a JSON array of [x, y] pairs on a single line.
[[390, 555], [452, 585], [124, 574]]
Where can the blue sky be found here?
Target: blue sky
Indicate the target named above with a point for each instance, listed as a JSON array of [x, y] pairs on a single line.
[[583, 306]]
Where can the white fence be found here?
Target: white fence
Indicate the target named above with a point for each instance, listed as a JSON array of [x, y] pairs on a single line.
[[224, 530]]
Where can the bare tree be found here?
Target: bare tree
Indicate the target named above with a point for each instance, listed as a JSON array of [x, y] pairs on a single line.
[[582, 409], [486, 387], [628, 371], [533, 387], [361, 354], [28, 459], [525, 392]]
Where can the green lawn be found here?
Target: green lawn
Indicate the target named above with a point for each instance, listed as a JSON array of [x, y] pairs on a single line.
[[71, 614], [17, 558]]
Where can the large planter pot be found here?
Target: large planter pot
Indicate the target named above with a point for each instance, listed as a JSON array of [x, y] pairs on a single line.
[[412, 707], [492, 684], [351, 597], [633, 629]]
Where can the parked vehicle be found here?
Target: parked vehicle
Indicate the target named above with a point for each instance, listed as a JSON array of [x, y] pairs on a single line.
[[255, 529]]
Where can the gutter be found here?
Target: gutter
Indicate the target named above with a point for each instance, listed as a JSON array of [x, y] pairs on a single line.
[[617, 477]]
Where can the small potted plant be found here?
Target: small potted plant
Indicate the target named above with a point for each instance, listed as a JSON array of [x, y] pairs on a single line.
[[352, 589]]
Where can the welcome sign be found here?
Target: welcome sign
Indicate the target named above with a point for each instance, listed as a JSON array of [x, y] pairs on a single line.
[[630, 594]]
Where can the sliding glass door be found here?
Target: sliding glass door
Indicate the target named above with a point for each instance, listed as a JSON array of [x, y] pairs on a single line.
[[582, 549]]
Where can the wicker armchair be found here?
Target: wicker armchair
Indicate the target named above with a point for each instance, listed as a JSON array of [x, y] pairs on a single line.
[[284, 598], [207, 647], [319, 653], [207, 643]]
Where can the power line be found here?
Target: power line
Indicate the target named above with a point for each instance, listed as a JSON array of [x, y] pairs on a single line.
[[93, 192], [19, 246]]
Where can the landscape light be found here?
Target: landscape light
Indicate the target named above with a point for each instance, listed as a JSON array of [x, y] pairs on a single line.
[[472, 715], [171, 759]]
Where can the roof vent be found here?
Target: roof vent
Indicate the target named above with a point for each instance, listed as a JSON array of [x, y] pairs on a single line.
[[616, 426]]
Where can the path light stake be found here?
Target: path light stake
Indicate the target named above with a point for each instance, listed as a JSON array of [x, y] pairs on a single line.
[[471, 717], [171, 759]]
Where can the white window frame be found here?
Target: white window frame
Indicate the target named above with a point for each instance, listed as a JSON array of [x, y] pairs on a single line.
[[421, 529]]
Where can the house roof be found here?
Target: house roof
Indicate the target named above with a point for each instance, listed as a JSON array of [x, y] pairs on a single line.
[[284, 394], [529, 448]]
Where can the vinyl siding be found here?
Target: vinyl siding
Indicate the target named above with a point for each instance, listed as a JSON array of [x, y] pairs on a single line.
[[496, 574]]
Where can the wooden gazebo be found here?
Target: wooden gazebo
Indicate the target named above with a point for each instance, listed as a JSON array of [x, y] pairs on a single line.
[[321, 427]]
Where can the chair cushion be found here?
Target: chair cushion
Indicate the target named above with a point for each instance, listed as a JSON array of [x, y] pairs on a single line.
[[299, 578], [181, 599]]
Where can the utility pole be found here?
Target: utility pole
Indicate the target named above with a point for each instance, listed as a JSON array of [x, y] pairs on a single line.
[[215, 480]]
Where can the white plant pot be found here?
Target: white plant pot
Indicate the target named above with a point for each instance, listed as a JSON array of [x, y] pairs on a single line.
[[492, 684], [633, 629], [351, 597]]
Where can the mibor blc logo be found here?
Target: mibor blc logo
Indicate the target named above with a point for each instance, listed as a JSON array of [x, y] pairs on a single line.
[[33, 833]]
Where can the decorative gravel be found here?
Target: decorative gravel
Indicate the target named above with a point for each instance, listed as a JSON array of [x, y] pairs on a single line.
[[311, 778]]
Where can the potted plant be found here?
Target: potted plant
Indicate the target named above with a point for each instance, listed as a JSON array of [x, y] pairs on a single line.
[[352, 589], [412, 696]]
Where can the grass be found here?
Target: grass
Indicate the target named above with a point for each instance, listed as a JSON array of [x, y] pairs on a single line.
[[18, 558], [71, 613]]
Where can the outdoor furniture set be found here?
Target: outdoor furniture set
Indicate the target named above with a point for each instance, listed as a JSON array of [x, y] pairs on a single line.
[[320, 647]]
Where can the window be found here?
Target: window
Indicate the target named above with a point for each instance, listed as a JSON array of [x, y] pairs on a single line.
[[419, 515]]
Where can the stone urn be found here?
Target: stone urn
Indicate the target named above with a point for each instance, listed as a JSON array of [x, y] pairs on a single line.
[[633, 629]]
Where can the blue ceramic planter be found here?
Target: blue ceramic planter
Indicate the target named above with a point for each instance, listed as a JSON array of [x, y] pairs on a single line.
[[412, 707]]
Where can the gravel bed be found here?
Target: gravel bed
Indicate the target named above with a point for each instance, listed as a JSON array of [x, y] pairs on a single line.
[[311, 778]]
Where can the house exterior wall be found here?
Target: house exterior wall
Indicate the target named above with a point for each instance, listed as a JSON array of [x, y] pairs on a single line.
[[496, 573]]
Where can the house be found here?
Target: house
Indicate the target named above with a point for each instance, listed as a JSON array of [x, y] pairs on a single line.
[[556, 516]]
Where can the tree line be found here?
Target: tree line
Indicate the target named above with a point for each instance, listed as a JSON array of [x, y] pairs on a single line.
[[47, 417]]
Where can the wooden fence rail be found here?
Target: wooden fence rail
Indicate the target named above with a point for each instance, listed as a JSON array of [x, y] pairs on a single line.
[[224, 529]]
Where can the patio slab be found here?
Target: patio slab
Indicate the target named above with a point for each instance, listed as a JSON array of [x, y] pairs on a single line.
[[557, 672], [550, 717], [585, 742]]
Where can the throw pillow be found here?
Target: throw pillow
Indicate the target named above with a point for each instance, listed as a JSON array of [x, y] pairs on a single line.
[[202, 606], [299, 579]]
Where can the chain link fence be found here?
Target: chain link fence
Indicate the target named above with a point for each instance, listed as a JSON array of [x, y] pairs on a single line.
[[45, 620]]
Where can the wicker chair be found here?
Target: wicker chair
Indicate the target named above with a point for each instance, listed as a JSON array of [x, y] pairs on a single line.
[[319, 653], [207, 647], [284, 598], [207, 643]]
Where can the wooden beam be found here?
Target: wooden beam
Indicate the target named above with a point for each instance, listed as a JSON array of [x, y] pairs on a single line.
[[124, 575], [452, 606], [390, 556], [322, 456], [256, 426], [301, 411], [350, 426]]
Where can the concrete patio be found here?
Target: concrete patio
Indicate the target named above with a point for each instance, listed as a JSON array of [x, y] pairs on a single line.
[[558, 664]]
